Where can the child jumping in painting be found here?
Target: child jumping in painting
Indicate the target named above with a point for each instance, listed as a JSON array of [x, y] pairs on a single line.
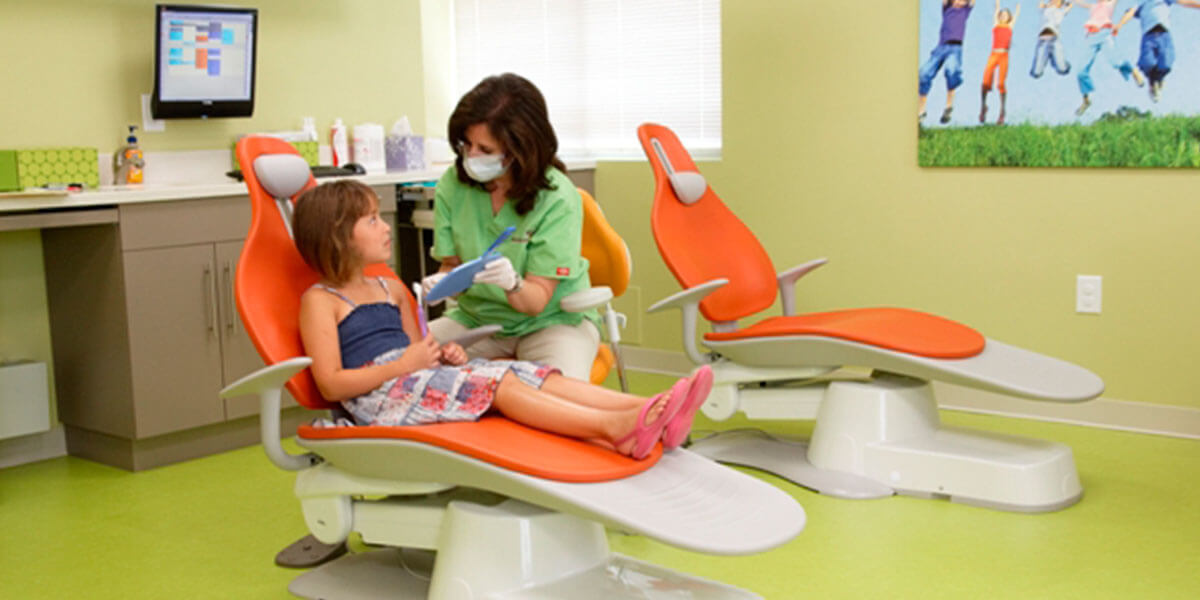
[[1157, 50], [1002, 28], [1100, 36], [947, 53], [1049, 47]]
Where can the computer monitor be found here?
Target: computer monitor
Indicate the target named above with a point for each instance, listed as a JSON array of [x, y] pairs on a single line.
[[203, 61]]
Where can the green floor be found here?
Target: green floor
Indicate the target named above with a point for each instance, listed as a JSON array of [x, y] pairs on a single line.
[[209, 528]]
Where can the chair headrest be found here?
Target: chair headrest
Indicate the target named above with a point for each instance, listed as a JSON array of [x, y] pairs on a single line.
[[282, 175], [689, 186]]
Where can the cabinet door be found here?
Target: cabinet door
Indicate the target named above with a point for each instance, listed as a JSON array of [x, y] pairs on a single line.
[[239, 358], [175, 349]]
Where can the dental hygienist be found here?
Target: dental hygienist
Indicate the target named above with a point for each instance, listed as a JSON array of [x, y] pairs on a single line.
[[507, 172]]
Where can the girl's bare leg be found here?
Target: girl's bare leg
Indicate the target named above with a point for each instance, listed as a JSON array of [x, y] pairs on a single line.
[[587, 394], [546, 411]]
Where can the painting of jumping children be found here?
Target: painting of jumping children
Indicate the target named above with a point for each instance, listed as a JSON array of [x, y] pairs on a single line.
[[1093, 94]]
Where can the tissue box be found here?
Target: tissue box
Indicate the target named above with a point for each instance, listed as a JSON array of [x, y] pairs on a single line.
[[404, 153], [35, 167]]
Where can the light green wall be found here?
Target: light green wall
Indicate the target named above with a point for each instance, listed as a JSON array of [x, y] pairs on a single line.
[[820, 160], [74, 70]]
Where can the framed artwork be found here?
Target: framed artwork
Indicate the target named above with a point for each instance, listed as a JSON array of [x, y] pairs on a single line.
[[1084, 83]]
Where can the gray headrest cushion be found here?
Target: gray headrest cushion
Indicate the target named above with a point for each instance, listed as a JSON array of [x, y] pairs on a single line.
[[282, 175], [689, 186]]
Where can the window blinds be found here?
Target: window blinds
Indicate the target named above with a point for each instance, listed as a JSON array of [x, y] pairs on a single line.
[[604, 66]]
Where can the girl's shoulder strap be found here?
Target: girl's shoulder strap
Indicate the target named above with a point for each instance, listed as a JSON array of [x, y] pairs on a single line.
[[387, 291], [335, 293]]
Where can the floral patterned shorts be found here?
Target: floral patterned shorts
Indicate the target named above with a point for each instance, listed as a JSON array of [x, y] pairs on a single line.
[[440, 395]]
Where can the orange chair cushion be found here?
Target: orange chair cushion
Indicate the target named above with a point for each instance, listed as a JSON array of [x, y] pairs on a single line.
[[506, 444], [898, 329], [603, 363]]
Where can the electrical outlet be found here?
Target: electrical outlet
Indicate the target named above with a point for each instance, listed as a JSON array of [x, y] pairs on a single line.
[[1088, 293], [630, 304]]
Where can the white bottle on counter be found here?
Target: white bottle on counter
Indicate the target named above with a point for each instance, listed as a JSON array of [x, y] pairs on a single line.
[[338, 143], [368, 147]]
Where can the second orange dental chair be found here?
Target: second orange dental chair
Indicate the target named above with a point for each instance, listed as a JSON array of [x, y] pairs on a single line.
[[873, 437]]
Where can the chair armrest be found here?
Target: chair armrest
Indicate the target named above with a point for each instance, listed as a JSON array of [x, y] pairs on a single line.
[[587, 299], [787, 283], [267, 383], [688, 301]]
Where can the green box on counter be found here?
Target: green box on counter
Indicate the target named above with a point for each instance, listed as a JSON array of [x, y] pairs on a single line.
[[309, 150], [10, 179], [36, 167]]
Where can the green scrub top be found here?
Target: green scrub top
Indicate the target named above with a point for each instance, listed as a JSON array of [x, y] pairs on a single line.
[[546, 243]]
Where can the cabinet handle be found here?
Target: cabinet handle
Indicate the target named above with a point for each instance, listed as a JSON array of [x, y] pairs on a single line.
[[210, 314], [227, 298]]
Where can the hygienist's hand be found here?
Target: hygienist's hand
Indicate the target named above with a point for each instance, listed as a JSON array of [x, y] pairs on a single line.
[[454, 355], [421, 354], [500, 273], [428, 283]]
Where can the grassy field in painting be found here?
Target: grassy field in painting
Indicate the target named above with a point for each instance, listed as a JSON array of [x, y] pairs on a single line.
[[1124, 139]]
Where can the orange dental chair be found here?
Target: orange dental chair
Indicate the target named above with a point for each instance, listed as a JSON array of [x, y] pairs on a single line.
[[873, 437], [609, 268], [471, 510]]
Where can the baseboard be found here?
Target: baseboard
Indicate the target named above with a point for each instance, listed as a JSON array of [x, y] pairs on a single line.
[[33, 448], [1105, 413]]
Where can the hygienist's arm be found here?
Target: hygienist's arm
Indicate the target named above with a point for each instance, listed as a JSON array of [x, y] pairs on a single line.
[[533, 296]]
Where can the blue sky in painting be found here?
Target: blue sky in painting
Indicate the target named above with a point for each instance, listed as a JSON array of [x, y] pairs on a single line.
[[1052, 100]]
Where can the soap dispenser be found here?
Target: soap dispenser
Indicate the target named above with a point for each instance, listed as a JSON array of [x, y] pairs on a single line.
[[127, 161]]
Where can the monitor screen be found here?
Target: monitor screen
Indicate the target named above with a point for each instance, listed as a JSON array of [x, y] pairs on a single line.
[[204, 61]]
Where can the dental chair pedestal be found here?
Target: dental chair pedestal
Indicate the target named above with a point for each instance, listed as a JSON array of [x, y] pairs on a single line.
[[502, 549], [883, 436]]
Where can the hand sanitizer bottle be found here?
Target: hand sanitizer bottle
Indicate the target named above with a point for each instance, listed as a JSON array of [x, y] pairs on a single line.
[[127, 161]]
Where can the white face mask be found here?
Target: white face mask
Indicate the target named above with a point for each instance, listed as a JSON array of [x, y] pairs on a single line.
[[484, 168]]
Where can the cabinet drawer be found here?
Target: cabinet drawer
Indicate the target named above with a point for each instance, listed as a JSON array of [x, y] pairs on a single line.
[[183, 222]]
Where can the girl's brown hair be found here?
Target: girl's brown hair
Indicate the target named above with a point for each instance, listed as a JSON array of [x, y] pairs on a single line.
[[515, 113], [323, 225]]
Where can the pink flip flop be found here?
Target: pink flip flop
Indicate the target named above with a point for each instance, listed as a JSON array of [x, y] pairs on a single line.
[[648, 434], [699, 385]]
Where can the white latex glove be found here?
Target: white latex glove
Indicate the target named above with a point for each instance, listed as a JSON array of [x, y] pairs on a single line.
[[500, 273], [428, 283]]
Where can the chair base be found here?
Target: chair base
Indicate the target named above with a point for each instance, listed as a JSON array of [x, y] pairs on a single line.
[[509, 551], [885, 434]]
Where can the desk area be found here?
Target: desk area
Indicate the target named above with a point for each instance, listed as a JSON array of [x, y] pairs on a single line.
[[143, 324]]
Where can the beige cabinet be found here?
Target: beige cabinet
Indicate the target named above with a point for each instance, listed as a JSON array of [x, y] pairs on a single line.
[[146, 332]]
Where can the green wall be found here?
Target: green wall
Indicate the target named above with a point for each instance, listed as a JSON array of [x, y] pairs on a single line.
[[819, 159], [87, 62], [819, 127], [74, 71]]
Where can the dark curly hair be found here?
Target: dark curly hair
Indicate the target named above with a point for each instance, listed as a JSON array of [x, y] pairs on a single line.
[[515, 113]]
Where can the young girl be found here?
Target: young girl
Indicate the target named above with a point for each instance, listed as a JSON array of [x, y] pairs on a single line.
[[1049, 46], [1002, 28], [1099, 39], [358, 330]]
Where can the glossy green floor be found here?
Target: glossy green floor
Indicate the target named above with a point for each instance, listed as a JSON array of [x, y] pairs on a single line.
[[209, 528]]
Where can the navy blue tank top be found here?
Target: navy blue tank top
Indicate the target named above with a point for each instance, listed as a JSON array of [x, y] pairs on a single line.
[[369, 330]]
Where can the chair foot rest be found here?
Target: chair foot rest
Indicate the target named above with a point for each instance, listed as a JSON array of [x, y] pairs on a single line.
[[308, 552]]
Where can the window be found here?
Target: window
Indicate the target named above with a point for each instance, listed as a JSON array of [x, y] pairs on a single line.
[[605, 66]]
